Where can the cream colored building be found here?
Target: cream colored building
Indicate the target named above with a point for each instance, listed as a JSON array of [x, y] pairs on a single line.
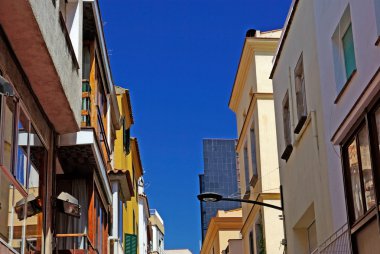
[[224, 226], [252, 102], [326, 88]]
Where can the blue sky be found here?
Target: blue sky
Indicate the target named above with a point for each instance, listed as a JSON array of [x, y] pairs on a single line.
[[179, 59]]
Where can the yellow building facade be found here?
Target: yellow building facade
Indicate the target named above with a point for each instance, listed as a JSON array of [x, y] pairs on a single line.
[[225, 226], [127, 160], [252, 102]]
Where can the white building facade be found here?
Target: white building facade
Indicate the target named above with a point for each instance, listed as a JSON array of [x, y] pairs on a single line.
[[158, 232], [326, 88], [252, 102]]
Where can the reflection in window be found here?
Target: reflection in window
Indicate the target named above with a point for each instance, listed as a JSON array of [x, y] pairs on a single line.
[[11, 225], [8, 126], [365, 157], [22, 149], [377, 120], [38, 155], [355, 179]]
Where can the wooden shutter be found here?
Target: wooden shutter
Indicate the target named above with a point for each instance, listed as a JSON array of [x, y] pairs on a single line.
[[130, 244]]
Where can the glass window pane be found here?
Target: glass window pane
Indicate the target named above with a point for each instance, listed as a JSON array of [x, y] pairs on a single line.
[[22, 149], [34, 224], [377, 118], [349, 51], [9, 114], [355, 180], [369, 190], [259, 236], [253, 152], [11, 201], [246, 169]]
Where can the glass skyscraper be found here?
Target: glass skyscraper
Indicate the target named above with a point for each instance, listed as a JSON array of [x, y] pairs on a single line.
[[220, 176]]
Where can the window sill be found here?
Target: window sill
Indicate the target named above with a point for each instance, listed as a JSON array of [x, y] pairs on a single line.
[[253, 181], [300, 124], [302, 130], [345, 86], [247, 194], [363, 220], [287, 152]]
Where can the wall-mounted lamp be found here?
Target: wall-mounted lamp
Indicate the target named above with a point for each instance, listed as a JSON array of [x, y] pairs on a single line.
[[67, 204], [33, 207], [5, 87]]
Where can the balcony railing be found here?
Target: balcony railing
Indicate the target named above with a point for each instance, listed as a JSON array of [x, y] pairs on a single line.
[[80, 244], [86, 104]]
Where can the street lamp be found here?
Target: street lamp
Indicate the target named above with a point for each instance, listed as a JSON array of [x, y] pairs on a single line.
[[214, 197]]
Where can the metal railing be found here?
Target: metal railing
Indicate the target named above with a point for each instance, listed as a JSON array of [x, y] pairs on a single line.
[[87, 247], [337, 243]]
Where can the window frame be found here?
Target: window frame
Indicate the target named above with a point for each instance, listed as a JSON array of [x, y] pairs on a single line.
[[299, 70], [255, 172], [341, 79], [246, 170], [10, 173], [369, 120], [287, 126]]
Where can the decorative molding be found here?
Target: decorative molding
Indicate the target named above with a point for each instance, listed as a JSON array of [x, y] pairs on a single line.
[[251, 45]]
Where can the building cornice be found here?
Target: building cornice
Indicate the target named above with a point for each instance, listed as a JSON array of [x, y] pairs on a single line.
[[251, 45], [255, 97]]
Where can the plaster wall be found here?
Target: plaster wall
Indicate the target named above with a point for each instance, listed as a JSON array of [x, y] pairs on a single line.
[[262, 120], [365, 24], [263, 66], [266, 147], [306, 176], [224, 236], [273, 228]]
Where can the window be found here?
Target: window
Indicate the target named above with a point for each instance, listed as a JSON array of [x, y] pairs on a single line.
[[349, 52], [251, 244], [120, 219], [312, 238], [259, 236], [246, 170], [22, 166], [344, 52], [287, 133], [361, 163], [253, 154], [130, 244], [299, 79], [126, 138], [360, 171]]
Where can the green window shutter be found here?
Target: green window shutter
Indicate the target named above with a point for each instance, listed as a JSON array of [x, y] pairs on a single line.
[[349, 52], [130, 244]]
